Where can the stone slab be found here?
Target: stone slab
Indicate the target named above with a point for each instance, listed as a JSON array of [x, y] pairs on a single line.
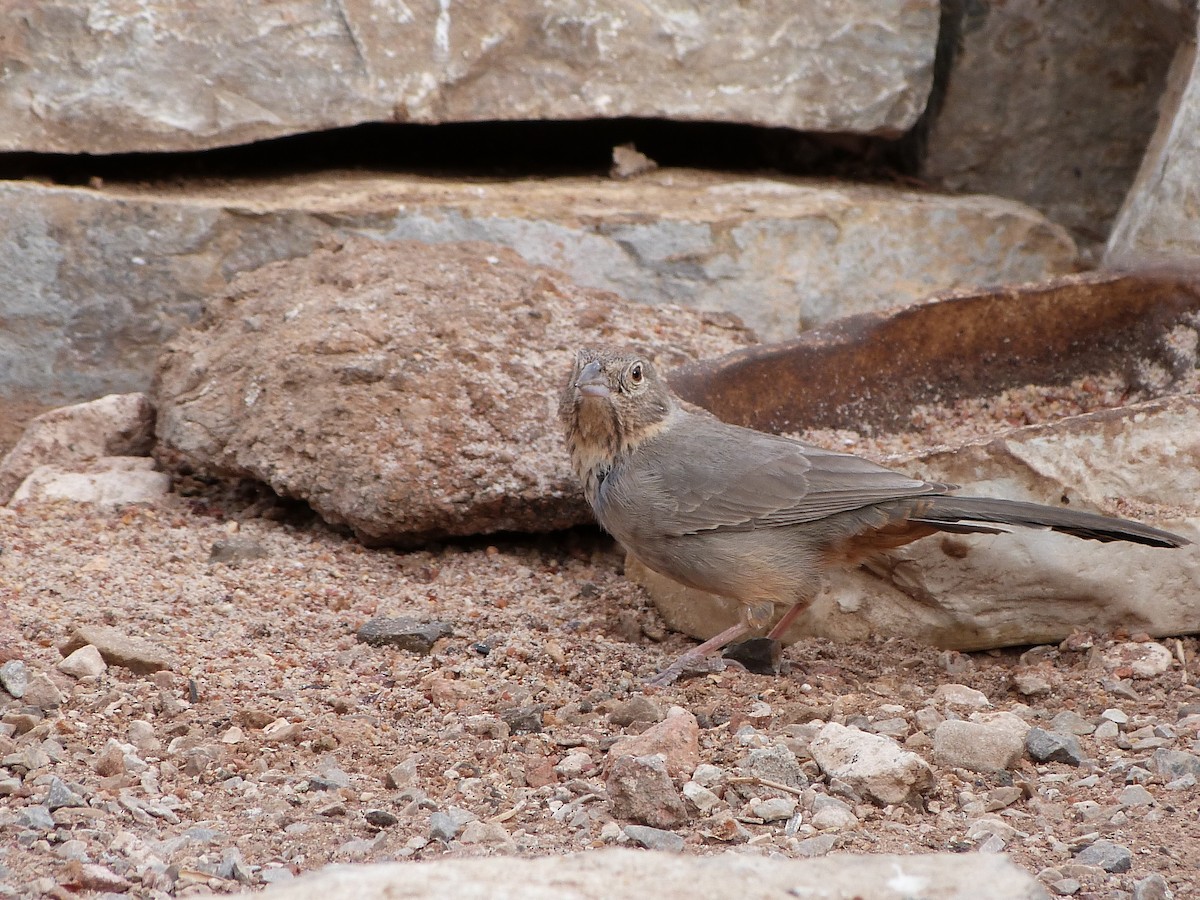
[[118, 76], [93, 282]]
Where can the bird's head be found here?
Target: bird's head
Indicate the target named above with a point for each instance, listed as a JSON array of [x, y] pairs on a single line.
[[612, 401]]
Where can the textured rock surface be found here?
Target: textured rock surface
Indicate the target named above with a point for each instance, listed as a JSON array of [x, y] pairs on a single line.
[[1028, 586], [110, 77], [116, 425], [607, 874], [407, 391], [876, 766], [106, 481], [1053, 105], [92, 282], [1159, 221]]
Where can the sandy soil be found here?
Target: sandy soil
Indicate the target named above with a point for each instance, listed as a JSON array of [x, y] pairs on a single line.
[[265, 752]]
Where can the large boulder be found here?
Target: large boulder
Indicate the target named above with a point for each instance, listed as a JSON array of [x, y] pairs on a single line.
[[156, 75], [94, 281], [408, 391], [1159, 222], [1051, 104]]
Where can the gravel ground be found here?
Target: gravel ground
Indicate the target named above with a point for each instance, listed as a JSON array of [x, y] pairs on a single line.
[[276, 742]]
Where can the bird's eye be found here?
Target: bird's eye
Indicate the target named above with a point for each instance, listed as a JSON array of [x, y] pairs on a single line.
[[635, 373]]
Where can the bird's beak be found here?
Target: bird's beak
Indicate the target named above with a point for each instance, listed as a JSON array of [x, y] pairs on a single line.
[[591, 381]]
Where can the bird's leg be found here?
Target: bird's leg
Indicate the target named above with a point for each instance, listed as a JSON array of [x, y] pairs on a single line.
[[788, 618], [698, 654], [754, 617]]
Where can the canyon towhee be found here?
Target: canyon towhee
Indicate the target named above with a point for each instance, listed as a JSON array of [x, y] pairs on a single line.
[[754, 516]]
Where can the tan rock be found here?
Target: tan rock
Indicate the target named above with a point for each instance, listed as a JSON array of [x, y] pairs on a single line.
[[618, 874], [87, 79], [116, 425], [406, 390], [676, 739], [119, 649], [876, 766], [107, 481]]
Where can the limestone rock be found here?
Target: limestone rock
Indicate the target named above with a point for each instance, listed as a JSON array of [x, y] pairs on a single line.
[[405, 390], [1158, 222], [87, 79], [1028, 586], [987, 743], [107, 481], [116, 425], [618, 874], [1052, 105], [779, 253], [875, 765], [118, 649]]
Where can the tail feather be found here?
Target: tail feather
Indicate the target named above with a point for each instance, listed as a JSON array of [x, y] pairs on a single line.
[[950, 513]]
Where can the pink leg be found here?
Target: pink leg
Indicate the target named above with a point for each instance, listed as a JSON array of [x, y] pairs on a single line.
[[697, 654], [788, 618]]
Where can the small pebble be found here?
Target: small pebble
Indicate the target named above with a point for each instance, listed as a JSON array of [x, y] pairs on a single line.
[[654, 838], [14, 676]]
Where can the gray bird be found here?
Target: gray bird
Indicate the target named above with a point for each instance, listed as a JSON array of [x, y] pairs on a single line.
[[757, 517]]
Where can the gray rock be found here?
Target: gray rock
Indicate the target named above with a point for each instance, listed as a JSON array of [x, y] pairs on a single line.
[[1145, 660], [813, 847], [640, 789], [116, 425], [446, 826], [456, 354], [775, 763], [832, 814], [1158, 222], [706, 241], [1107, 855], [1174, 763], [617, 874], [1050, 746], [14, 677], [992, 743], [61, 794], [1070, 722], [36, 817], [81, 87], [654, 838], [1152, 887], [119, 649], [1135, 795], [404, 634], [874, 765], [1050, 105]]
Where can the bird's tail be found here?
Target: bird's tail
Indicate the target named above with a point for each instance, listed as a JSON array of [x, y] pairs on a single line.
[[960, 514]]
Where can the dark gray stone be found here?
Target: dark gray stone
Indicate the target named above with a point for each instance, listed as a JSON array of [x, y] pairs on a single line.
[[1107, 855], [60, 795], [404, 634], [1173, 764], [1050, 746]]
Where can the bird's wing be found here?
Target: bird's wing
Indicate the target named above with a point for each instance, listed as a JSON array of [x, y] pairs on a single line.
[[708, 475]]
